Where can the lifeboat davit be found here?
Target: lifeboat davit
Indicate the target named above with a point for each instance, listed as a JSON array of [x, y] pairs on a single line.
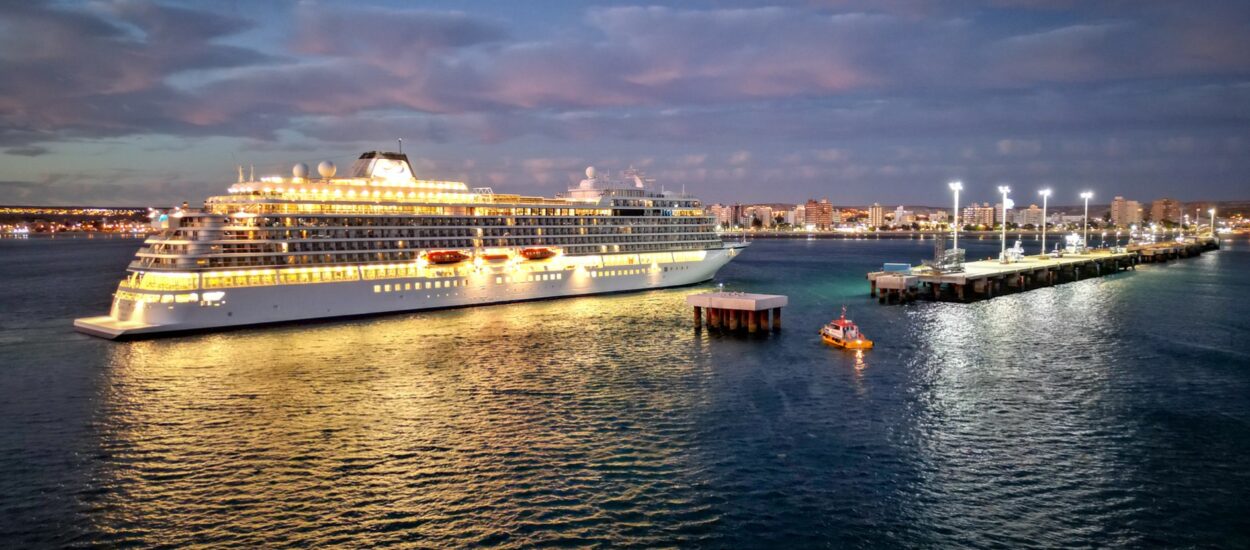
[[843, 333], [537, 253], [445, 256]]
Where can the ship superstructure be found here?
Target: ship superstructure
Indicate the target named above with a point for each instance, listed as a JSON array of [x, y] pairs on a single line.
[[380, 240]]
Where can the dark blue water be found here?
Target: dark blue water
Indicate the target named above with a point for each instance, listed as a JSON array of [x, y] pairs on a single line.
[[1108, 412]]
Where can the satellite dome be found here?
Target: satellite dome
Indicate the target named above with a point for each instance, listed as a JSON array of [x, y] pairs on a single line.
[[326, 169], [590, 172], [300, 170]]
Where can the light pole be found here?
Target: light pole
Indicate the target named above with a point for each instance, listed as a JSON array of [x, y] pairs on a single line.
[[956, 186], [1045, 193], [1212, 211], [1004, 190], [1085, 221]]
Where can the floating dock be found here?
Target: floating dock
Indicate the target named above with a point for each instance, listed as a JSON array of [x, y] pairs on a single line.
[[986, 279], [737, 310]]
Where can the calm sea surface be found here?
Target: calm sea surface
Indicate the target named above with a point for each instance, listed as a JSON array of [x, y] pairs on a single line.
[[1108, 412]]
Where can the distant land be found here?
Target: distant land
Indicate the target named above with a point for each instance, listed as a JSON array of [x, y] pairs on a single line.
[[1225, 208]]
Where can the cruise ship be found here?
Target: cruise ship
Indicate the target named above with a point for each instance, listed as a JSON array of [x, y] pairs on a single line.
[[278, 249]]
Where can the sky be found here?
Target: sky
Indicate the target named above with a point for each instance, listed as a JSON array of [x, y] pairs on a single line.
[[135, 102]]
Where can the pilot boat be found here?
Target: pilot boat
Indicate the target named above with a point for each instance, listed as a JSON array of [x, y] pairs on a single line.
[[843, 333]]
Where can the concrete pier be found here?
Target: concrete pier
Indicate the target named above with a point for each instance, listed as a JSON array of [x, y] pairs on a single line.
[[738, 310], [986, 279]]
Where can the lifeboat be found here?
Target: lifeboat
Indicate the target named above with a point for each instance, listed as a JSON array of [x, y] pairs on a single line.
[[445, 256], [843, 333], [494, 256], [537, 253]]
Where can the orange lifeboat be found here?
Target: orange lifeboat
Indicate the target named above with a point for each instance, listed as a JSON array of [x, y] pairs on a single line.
[[445, 256], [493, 256], [537, 253]]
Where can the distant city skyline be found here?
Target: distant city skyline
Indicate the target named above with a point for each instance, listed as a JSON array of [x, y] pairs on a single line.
[[137, 103]]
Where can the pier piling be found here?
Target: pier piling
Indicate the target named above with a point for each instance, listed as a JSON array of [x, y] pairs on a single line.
[[733, 311]]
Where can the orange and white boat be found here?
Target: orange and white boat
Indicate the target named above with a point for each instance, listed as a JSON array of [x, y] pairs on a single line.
[[445, 256], [494, 255], [843, 333], [537, 253]]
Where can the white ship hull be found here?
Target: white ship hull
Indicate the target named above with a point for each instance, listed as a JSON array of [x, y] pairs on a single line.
[[236, 307]]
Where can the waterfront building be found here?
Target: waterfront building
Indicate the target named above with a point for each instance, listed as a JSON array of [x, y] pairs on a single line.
[[939, 216], [1029, 216], [903, 217], [819, 214], [381, 240], [800, 215], [1061, 219], [1166, 210], [1125, 212], [761, 213], [722, 213], [979, 215], [876, 215]]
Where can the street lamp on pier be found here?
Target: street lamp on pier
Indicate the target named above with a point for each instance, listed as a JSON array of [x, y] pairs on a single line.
[[1004, 190], [1045, 193], [1213, 237], [1085, 221], [956, 186]]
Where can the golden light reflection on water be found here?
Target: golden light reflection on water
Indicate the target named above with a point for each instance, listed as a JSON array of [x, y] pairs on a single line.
[[449, 426]]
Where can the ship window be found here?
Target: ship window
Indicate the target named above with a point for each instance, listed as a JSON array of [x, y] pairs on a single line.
[[387, 288], [377, 288]]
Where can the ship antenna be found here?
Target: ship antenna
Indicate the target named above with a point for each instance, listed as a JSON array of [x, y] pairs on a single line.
[[240, 173], [401, 146], [252, 177]]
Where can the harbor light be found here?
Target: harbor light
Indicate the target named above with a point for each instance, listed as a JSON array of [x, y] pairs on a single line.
[[956, 186], [1085, 221], [1045, 193]]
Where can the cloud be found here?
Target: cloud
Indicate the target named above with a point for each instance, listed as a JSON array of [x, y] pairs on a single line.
[[1019, 147], [846, 91], [27, 151], [104, 71]]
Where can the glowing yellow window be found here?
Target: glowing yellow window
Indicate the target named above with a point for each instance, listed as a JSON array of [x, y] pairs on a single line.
[[387, 288], [377, 288], [427, 284]]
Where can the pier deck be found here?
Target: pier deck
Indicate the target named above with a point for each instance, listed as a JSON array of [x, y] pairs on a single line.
[[732, 310], [988, 278]]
